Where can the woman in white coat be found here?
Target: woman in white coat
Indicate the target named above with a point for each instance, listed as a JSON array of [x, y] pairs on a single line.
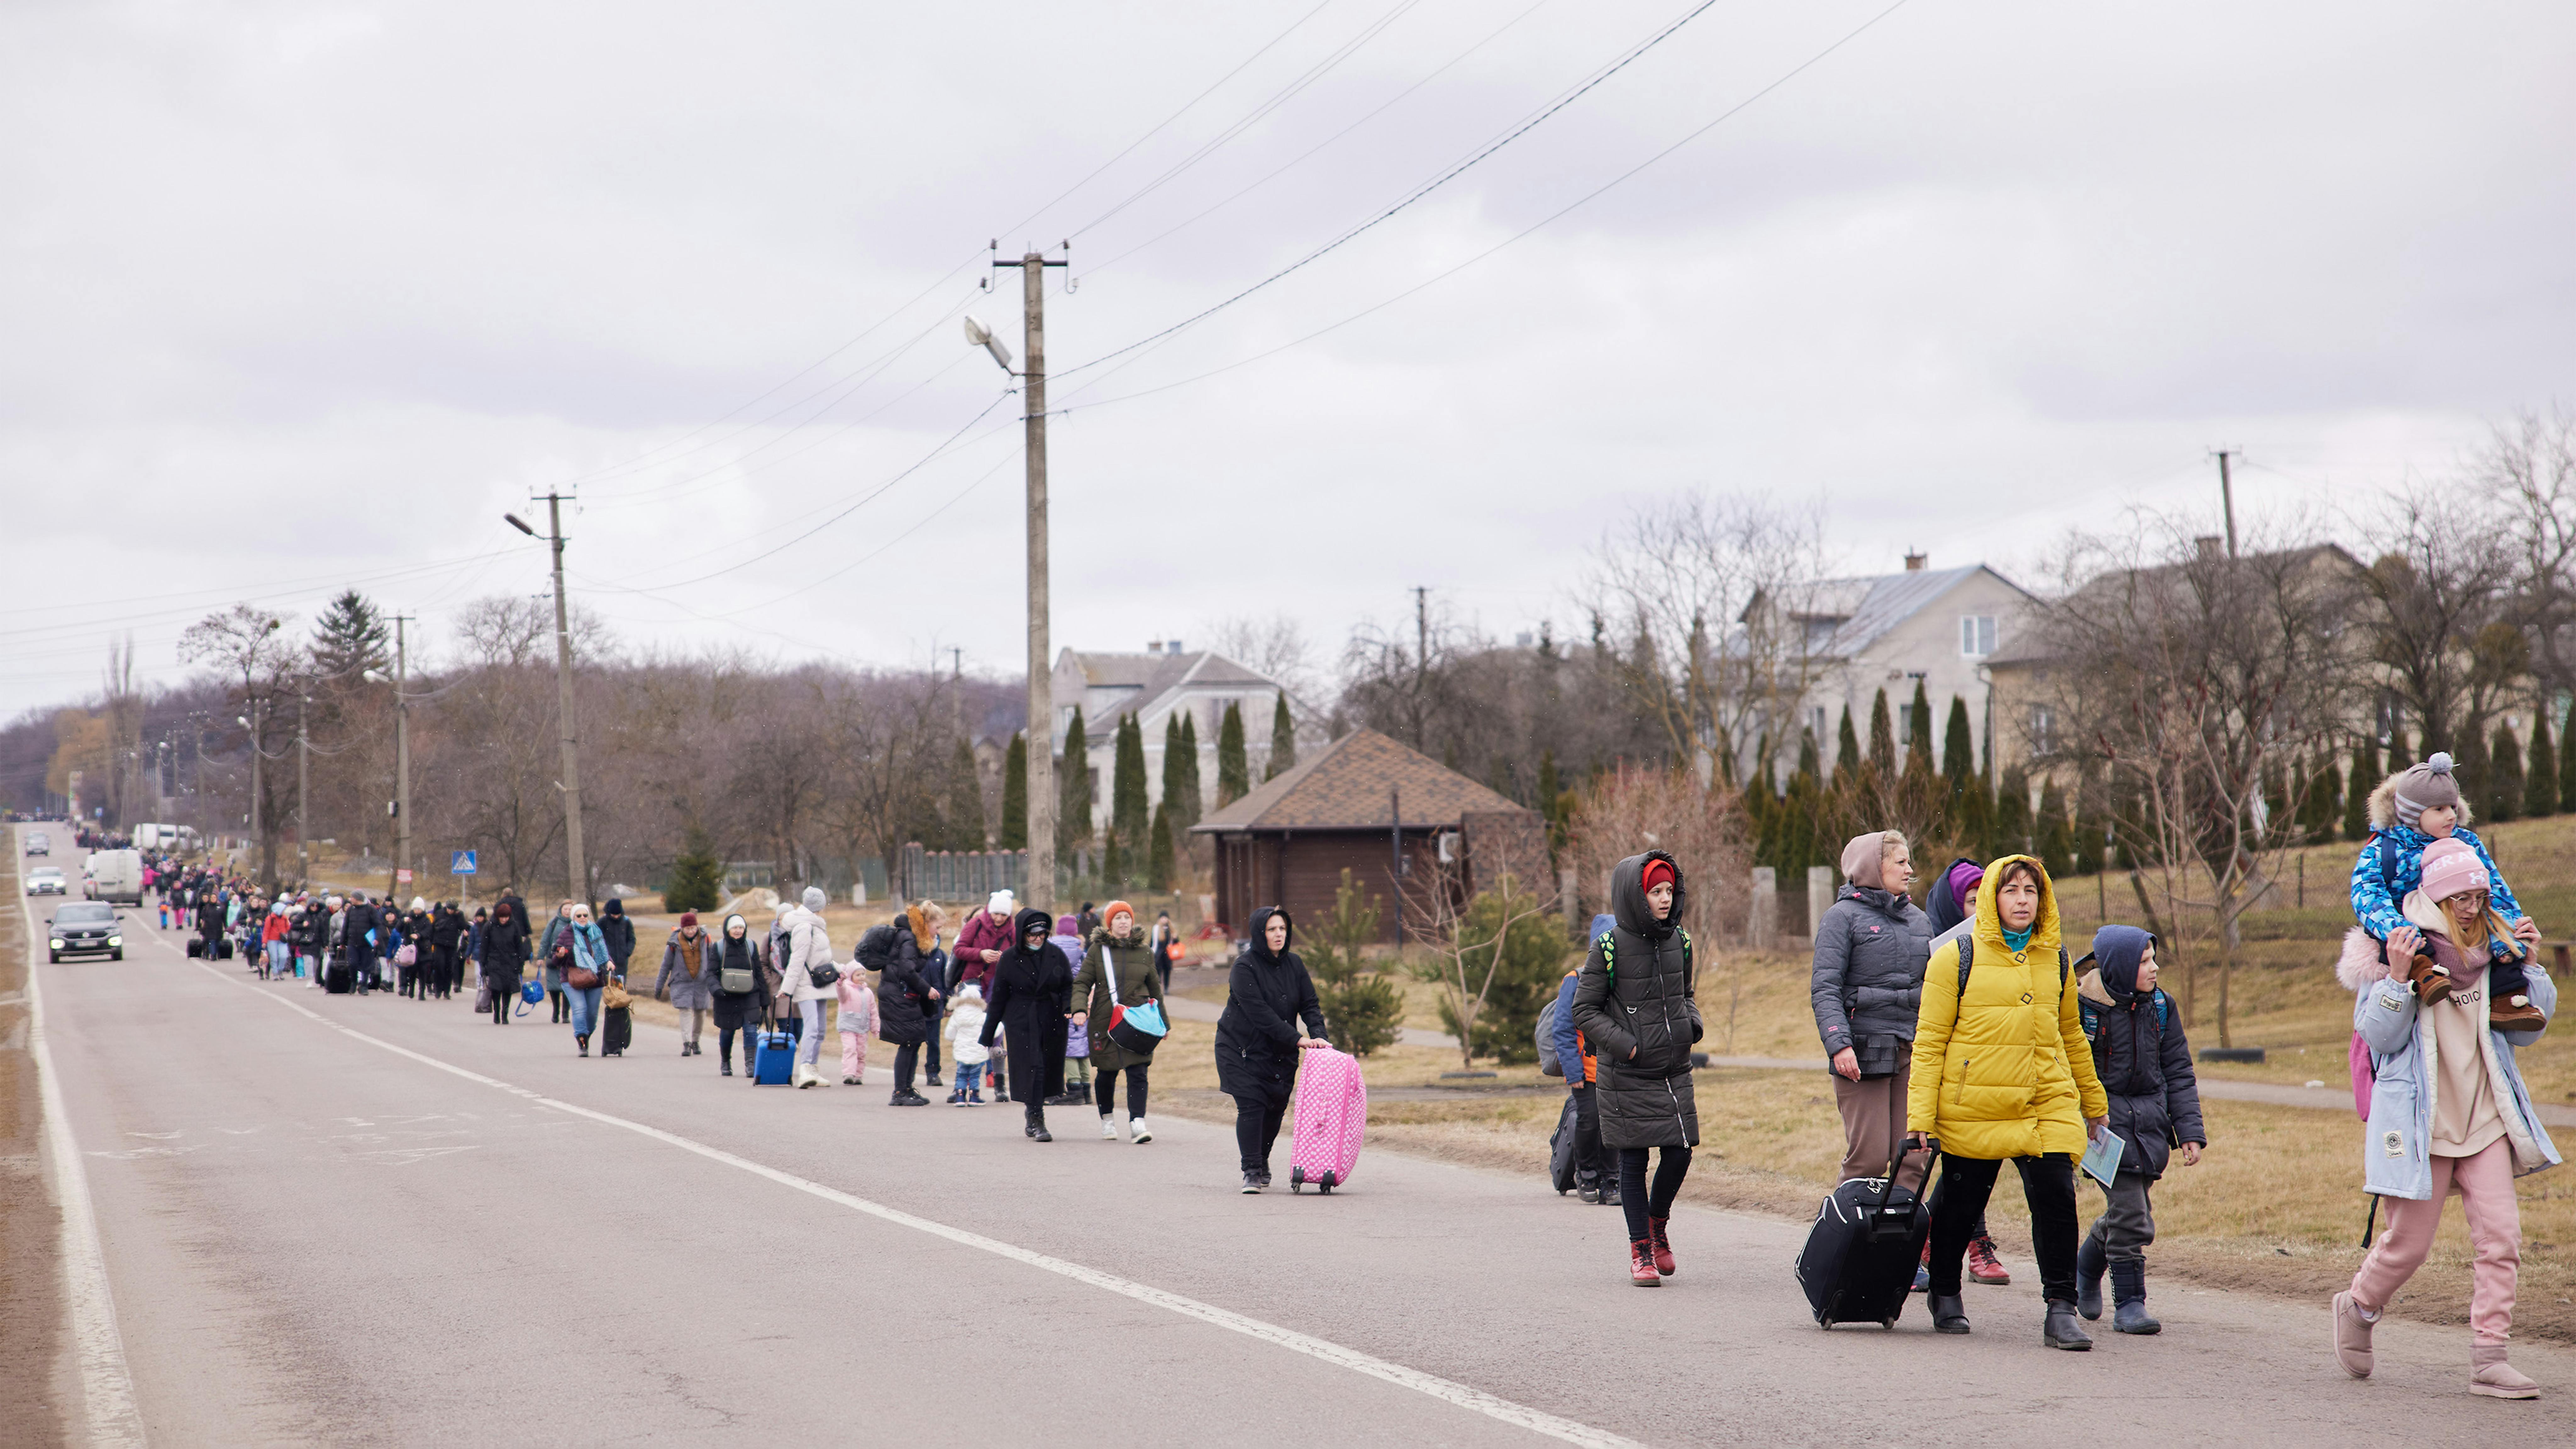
[[805, 949]]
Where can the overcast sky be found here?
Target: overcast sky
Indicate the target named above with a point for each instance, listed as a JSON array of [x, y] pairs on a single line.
[[302, 295]]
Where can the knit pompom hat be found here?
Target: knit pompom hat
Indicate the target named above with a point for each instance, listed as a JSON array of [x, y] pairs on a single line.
[[2451, 867], [2428, 786]]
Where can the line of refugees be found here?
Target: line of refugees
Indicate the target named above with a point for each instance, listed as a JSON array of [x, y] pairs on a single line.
[[1969, 1033]]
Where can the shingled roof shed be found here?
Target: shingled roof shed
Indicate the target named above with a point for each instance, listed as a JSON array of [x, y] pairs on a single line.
[[1388, 814]]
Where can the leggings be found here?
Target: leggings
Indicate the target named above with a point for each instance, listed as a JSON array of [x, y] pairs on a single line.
[[501, 1004], [1256, 1128], [907, 1058], [1959, 1208], [1635, 1200], [1104, 1091]]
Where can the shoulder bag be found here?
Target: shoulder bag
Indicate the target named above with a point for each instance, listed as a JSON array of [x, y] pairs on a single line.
[[1136, 1030]]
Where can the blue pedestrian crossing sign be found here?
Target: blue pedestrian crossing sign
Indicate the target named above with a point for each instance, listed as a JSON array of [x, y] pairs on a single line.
[[460, 862]]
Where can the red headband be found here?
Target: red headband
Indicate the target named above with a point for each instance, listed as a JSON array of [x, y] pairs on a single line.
[[1659, 872]]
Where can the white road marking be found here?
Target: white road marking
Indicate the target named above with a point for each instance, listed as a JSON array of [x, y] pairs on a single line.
[[107, 1385], [1448, 1391]]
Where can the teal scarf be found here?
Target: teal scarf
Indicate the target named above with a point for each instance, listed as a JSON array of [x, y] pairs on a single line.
[[2019, 941]]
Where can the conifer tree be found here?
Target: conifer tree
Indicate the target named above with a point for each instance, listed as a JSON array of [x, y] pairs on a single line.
[[2012, 832], [351, 637], [1128, 816], [2399, 756], [2567, 763], [965, 820], [1193, 802], [2540, 785], [1283, 742], [1073, 791], [2359, 778], [2504, 775], [1158, 857], [1846, 749], [1233, 770], [697, 875], [1172, 759], [1882, 737], [1014, 830], [2056, 833]]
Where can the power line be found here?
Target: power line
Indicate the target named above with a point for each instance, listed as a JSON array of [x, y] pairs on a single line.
[[1016, 227], [1278, 98], [1416, 195], [924, 461], [1550, 219], [1097, 267]]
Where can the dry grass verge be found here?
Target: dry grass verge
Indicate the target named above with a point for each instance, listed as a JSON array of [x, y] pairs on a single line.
[[31, 1303]]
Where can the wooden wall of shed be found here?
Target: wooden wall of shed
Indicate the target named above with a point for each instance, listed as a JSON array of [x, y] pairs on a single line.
[[1305, 874]]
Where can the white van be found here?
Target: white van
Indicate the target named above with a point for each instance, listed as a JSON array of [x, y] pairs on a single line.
[[114, 875]]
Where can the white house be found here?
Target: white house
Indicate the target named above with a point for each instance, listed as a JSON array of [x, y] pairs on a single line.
[[1157, 686], [1885, 631]]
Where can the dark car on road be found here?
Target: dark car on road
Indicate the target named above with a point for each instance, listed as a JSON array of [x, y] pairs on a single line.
[[86, 928]]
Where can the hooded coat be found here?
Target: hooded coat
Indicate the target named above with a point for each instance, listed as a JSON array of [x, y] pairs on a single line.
[[1138, 982], [618, 932], [903, 990], [2003, 1071], [505, 946], [1636, 1007], [1031, 991], [2405, 1059], [2140, 1054], [1267, 995], [739, 1009], [1867, 982]]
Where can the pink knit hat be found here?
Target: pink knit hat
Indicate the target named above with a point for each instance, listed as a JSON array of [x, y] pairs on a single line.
[[2451, 867]]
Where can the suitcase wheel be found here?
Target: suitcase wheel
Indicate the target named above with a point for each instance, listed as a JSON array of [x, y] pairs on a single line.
[[1327, 1183], [1887, 1323]]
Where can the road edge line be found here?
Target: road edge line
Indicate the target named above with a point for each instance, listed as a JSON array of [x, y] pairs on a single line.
[[98, 1346], [1432, 1385]]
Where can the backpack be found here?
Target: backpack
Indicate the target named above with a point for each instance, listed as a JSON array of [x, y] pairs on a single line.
[[2365, 1067], [1545, 1036], [875, 950]]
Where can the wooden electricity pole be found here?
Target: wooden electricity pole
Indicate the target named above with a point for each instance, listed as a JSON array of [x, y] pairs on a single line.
[[1039, 889], [571, 783]]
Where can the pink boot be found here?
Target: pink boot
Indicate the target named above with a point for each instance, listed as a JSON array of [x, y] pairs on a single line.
[[2497, 1379], [2351, 1336]]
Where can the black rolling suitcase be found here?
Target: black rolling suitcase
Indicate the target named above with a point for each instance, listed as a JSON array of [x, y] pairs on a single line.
[[196, 947], [1858, 1265], [337, 978], [1560, 1149]]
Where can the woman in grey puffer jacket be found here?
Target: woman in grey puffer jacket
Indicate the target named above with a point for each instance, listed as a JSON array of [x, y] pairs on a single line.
[[1871, 947]]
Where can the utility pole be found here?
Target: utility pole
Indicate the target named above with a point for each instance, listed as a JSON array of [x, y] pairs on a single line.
[[402, 751], [570, 784], [2227, 499], [259, 838], [1040, 886], [303, 782]]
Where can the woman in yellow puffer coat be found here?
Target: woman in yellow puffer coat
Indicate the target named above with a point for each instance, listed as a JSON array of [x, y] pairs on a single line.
[[2002, 1070]]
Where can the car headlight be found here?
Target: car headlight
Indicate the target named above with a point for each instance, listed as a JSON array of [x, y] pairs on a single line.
[[58, 943], [116, 940]]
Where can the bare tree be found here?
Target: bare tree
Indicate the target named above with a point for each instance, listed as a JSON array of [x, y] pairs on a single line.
[[2528, 474], [2440, 587], [2205, 679], [1708, 585], [249, 649], [1275, 647], [1630, 811]]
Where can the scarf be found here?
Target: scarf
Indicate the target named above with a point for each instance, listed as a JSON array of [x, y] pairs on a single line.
[[2019, 941], [693, 947]]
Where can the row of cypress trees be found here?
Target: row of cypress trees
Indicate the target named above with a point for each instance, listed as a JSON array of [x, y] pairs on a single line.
[[1140, 848]]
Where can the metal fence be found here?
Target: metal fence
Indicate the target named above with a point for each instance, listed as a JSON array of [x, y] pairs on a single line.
[[961, 875]]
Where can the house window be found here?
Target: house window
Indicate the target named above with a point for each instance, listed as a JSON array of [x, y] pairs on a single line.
[[2043, 729], [1816, 724], [1976, 635]]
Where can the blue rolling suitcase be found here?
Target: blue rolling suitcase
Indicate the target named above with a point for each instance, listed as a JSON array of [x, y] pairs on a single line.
[[775, 1059]]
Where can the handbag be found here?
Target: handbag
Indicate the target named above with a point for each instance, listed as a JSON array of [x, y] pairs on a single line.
[[738, 980], [615, 997], [406, 954], [483, 999], [1135, 1030]]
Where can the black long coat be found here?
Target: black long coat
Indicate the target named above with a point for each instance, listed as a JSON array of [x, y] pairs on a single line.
[[1634, 1004], [903, 991], [505, 948], [1032, 994], [1256, 1038]]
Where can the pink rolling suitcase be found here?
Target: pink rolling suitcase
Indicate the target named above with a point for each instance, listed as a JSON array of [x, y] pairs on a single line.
[[1331, 1115]]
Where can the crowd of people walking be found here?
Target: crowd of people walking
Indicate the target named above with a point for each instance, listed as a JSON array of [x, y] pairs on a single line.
[[1961, 1038]]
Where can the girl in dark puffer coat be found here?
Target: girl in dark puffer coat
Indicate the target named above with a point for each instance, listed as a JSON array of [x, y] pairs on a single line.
[[1634, 1003]]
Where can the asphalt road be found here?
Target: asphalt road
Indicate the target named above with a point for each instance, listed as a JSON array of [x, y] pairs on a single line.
[[344, 1221]]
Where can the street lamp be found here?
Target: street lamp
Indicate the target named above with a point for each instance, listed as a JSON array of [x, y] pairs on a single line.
[[513, 520]]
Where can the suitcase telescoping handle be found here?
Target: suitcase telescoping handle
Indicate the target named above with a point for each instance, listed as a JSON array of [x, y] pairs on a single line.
[[1932, 1151]]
